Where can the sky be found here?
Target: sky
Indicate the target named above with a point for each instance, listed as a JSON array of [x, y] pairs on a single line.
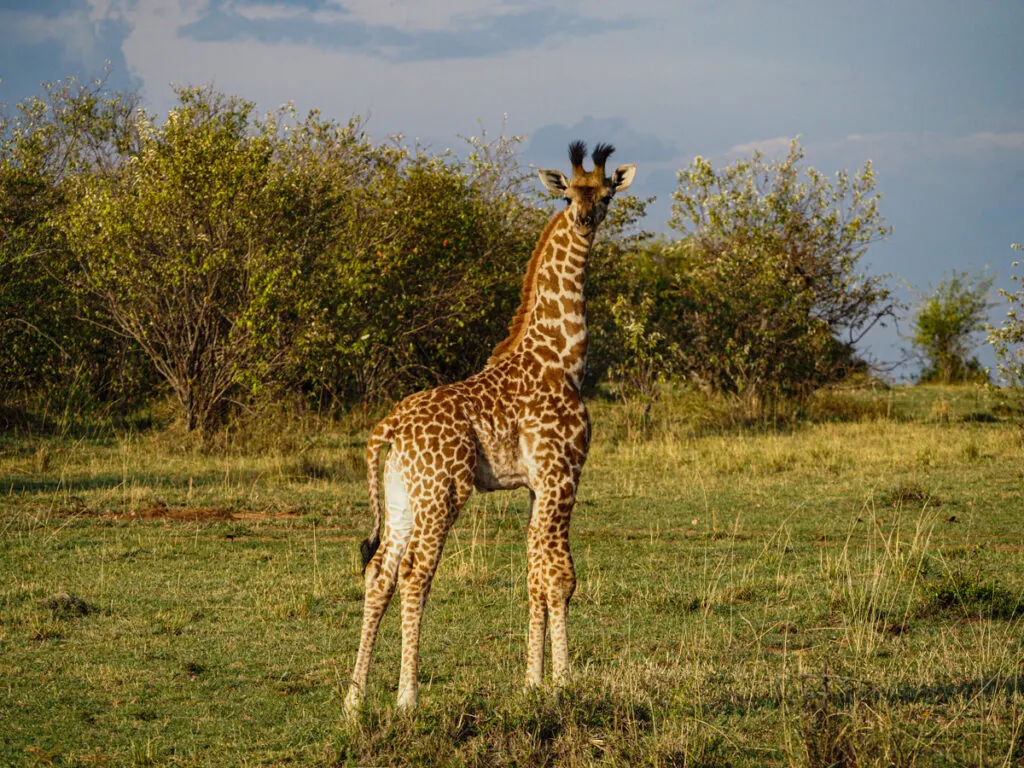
[[930, 91]]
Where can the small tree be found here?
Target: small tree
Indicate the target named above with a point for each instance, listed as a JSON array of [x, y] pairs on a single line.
[[421, 281], [46, 338], [1008, 338], [198, 246], [768, 297], [623, 287], [945, 325]]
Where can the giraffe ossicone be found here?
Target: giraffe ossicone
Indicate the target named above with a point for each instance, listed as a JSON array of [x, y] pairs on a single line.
[[519, 422]]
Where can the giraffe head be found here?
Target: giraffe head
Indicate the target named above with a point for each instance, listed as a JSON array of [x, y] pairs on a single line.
[[588, 193]]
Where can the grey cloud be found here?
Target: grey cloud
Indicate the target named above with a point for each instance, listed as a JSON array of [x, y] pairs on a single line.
[[480, 37], [45, 7], [549, 142], [57, 40]]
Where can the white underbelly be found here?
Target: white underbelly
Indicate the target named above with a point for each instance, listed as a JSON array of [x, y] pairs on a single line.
[[396, 500]]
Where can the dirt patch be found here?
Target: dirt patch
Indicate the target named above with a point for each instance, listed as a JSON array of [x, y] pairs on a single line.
[[201, 514], [183, 514], [277, 514]]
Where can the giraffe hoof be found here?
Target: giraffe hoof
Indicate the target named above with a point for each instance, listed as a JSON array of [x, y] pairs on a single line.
[[353, 703], [408, 700]]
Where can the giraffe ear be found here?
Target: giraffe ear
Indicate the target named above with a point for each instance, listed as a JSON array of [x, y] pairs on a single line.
[[623, 177], [553, 181]]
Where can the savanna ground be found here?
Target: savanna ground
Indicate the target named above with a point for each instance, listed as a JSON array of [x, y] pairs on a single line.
[[839, 592]]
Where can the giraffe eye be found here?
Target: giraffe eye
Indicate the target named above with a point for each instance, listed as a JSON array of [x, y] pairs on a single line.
[[568, 201], [606, 199]]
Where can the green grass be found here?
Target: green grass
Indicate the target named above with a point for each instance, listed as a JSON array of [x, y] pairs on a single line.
[[847, 592]]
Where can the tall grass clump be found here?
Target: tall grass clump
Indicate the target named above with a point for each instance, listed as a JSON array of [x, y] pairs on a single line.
[[873, 587]]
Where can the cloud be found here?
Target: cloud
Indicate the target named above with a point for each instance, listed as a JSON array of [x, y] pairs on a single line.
[[549, 142], [770, 148], [429, 14], [71, 28], [938, 143], [398, 30], [1013, 140], [935, 151], [55, 40]]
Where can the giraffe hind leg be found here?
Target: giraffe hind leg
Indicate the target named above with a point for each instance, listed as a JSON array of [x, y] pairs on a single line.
[[416, 575], [381, 576]]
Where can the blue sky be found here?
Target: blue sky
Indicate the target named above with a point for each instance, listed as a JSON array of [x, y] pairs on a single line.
[[929, 90]]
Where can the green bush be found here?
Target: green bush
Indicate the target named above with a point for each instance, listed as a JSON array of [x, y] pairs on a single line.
[[1008, 338], [944, 325], [767, 299], [55, 344], [233, 261]]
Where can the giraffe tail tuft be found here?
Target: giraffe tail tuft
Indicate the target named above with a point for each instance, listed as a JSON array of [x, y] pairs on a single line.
[[380, 437], [368, 548]]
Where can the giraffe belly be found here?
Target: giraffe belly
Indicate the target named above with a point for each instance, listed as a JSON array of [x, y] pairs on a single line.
[[498, 473]]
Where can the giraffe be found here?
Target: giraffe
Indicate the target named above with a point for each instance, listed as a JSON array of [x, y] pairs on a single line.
[[520, 421]]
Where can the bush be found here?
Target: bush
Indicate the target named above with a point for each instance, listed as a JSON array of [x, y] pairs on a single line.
[[423, 277], [942, 329], [767, 299], [249, 257], [54, 344], [1008, 338]]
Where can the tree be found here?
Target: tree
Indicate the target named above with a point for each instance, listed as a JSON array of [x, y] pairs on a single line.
[[1008, 338], [623, 289], [199, 243], [48, 341], [422, 278], [768, 297], [944, 325]]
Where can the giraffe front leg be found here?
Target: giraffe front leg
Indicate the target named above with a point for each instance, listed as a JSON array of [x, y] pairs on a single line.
[[538, 625], [538, 615], [552, 580], [559, 590]]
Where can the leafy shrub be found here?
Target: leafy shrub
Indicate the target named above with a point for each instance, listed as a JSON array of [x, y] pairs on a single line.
[[57, 352], [944, 325], [767, 298], [964, 591]]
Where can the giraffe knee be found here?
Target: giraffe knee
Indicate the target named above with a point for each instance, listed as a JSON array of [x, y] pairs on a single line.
[[561, 585], [408, 565]]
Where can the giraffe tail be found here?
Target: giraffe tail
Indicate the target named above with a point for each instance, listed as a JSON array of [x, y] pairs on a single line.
[[380, 437]]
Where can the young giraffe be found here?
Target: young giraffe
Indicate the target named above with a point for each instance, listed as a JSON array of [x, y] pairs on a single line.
[[519, 422]]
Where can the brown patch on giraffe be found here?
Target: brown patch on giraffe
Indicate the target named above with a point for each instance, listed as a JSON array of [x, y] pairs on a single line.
[[546, 354], [548, 281], [574, 329]]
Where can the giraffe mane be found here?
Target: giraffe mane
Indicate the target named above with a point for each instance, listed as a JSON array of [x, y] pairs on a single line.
[[517, 328]]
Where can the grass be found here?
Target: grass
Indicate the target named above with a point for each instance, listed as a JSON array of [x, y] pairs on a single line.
[[844, 592]]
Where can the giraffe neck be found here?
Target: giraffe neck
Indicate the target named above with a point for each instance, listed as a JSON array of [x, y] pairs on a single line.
[[550, 324]]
